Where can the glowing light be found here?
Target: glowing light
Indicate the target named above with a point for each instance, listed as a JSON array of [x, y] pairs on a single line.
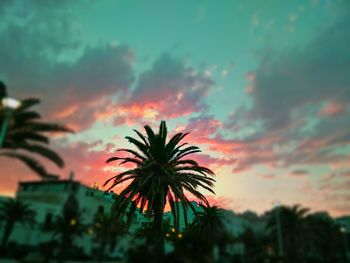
[[73, 222], [10, 103], [90, 232]]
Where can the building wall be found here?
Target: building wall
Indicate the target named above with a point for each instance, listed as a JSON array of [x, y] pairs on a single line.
[[47, 199]]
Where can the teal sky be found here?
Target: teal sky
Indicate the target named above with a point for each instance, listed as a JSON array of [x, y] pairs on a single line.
[[263, 87]]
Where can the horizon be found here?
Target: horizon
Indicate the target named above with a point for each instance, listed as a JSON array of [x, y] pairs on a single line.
[[263, 90]]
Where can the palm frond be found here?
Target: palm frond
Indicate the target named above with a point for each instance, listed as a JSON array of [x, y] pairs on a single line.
[[27, 103], [42, 151]]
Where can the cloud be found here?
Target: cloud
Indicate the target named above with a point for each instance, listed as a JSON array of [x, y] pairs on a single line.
[[169, 89], [51, 62], [299, 110], [100, 73], [309, 76], [332, 109], [203, 126], [334, 192], [37, 68]]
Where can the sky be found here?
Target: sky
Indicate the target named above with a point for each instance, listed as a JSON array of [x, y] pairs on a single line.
[[263, 87]]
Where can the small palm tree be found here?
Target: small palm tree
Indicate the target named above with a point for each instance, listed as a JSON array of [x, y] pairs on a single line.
[[292, 220], [162, 174], [26, 135], [107, 229], [209, 222], [324, 238], [208, 225], [13, 211], [66, 229], [67, 226]]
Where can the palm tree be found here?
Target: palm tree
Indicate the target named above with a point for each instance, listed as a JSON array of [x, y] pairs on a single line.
[[162, 174], [292, 223], [324, 238], [26, 134], [13, 211], [107, 229], [67, 228], [68, 225], [209, 223]]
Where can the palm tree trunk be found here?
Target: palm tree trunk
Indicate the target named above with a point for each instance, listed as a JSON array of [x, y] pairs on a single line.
[[7, 232], [158, 229]]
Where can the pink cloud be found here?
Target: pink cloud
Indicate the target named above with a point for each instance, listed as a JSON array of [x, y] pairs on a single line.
[[332, 109], [168, 90]]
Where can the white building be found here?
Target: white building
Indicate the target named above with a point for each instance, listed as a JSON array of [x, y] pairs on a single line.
[[47, 198]]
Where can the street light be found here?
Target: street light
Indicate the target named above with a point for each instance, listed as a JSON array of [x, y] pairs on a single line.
[[8, 104], [277, 206]]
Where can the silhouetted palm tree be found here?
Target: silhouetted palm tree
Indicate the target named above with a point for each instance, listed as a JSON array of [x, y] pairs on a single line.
[[292, 220], [67, 229], [107, 229], [13, 211], [162, 174], [68, 225], [209, 223], [323, 238], [26, 135]]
